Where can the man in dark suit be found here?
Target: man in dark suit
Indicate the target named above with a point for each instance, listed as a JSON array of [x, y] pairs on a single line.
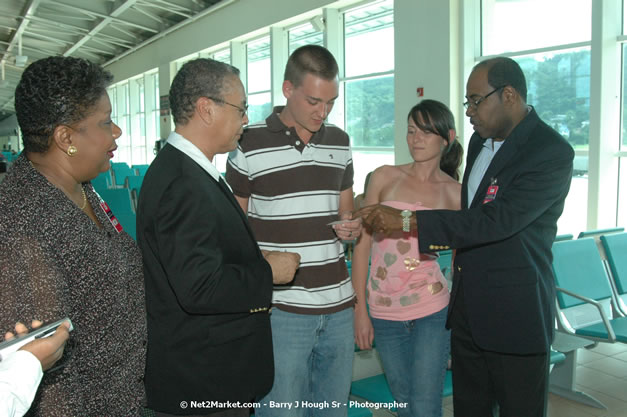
[[208, 286], [502, 304]]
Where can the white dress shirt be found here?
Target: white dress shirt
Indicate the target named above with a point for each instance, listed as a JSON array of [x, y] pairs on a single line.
[[479, 168], [20, 375], [191, 150]]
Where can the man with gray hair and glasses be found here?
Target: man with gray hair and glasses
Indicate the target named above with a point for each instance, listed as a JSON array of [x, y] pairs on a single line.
[[208, 285]]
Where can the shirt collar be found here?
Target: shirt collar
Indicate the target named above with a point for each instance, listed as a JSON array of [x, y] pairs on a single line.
[[191, 150], [275, 124]]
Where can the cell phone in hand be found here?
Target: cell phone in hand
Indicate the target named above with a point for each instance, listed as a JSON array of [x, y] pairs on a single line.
[[9, 346]]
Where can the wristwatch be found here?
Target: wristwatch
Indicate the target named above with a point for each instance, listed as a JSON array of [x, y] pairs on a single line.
[[406, 215]]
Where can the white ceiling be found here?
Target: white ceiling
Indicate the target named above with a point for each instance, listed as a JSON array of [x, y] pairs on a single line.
[[97, 30]]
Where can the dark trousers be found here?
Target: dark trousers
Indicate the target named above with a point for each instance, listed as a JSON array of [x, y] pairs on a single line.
[[485, 381]]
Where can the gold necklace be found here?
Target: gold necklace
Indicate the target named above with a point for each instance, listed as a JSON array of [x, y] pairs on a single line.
[[82, 189], [84, 198]]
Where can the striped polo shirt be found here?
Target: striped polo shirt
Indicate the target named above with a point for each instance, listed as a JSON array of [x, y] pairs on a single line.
[[294, 191]]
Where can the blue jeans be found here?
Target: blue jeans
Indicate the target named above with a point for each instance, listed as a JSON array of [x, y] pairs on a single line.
[[313, 365], [414, 356]]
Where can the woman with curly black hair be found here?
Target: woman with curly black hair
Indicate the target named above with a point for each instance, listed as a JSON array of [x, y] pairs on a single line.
[[62, 252]]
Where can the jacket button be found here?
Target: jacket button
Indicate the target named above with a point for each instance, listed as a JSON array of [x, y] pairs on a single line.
[[459, 268]]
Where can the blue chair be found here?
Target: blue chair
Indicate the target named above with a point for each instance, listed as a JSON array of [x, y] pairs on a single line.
[[563, 376], [376, 389], [584, 296], [102, 181], [120, 171], [140, 169], [615, 246], [559, 238], [599, 232], [128, 220], [134, 183], [119, 200]]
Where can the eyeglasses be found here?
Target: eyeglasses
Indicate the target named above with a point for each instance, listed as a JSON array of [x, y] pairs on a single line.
[[475, 103], [242, 110]]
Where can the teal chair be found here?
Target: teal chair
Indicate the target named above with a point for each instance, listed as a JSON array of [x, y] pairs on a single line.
[[615, 246], [566, 236], [119, 200], [128, 221], [120, 171], [599, 232], [584, 296], [102, 181], [140, 169]]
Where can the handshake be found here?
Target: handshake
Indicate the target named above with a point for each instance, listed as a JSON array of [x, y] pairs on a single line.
[[283, 264]]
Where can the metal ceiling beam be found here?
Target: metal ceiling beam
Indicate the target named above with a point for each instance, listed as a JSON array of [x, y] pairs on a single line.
[[170, 8], [38, 50], [121, 8], [75, 30], [104, 16], [205, 12], [150, 15], [29, 10]]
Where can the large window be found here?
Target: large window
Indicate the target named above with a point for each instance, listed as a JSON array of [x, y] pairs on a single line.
[[556, 63], [368, 87], [135, 109], [258, 79], [518, 25], [305, 34]]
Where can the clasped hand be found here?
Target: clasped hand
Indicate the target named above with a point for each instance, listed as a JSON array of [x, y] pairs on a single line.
[[283, 264]]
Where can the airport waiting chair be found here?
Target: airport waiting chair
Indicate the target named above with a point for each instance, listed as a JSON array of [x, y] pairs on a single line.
[[566, 236], [375, 388], [102, 181], [584, 297], [134, 184], [128, 220], [140, 169], [120, 171], [119, 200], [563, 376], [599, 232], [615, 246]]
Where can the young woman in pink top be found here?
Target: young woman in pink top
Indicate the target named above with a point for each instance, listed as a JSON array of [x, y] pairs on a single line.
[[404, 290]]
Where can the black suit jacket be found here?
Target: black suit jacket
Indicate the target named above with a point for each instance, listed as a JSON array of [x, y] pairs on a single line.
[[503, 260], [208, 290]]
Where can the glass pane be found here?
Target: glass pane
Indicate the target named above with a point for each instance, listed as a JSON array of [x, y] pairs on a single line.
[[223, 56], [558, 87], [574, 217], [219, 161], [370, 111], [258, 60], [113, 98], [180, 62], [622, 193], [259, 107], [369, 32], [304, 35], [337, 114], [365, 162], [564, 21], [623, 130]]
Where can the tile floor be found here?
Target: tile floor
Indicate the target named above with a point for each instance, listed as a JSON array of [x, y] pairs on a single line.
[[601, 373]]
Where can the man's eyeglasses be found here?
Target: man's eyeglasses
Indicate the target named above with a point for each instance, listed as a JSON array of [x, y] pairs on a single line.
[[475, 103], [242, 110]]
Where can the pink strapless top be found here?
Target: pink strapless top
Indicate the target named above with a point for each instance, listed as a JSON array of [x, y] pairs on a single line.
[[404, 284]]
